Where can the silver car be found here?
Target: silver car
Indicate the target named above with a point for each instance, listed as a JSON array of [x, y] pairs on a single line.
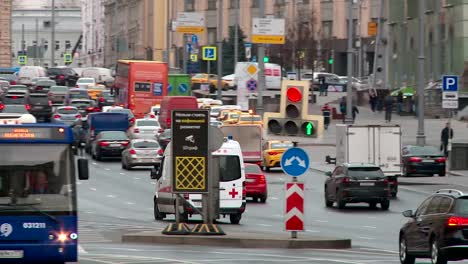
[[142, 152], [66, 115], [144, 128]]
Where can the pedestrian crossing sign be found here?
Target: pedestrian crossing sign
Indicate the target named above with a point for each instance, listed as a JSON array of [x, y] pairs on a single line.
[[22, 60], [67, 58]]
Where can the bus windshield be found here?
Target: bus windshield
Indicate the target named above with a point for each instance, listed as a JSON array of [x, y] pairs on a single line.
[[36, 179]]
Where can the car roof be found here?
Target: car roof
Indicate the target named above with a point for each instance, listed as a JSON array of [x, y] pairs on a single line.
[[143, 140], [451, 192], [357, 165], [66, 106]]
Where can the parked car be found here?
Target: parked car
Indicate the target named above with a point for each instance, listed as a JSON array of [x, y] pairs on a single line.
[[144, 128], [142, 152], [57, 94], [17, 109], [41, 106], [63, 76], [255, 183], [66, 114], [427, 160], [43, 86], [437, 229], [357, 183], [164, 138], [109, 144], [85, 82]]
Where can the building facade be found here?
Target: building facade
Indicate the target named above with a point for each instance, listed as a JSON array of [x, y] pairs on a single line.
[[5, 33], [92, 15], [32, 31]]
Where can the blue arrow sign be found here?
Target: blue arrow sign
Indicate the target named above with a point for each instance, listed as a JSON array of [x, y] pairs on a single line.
[[295, 162], [183, 88]]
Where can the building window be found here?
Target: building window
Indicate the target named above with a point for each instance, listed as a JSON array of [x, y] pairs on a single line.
[[355, 22], [234, 4], [212, 35], [255, 3], [189, 5], [212, 4], [280, 2], [327, 29]]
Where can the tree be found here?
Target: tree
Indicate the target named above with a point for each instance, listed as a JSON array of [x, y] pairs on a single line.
[[228, 50]]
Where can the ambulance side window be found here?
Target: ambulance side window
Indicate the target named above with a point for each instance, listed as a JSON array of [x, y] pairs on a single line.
[[229, 168]]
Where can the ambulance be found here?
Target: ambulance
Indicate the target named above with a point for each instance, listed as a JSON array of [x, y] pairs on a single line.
[[232, 194]]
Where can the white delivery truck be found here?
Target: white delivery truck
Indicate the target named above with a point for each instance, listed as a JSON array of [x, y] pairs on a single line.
[[249, 137], [372, 144]]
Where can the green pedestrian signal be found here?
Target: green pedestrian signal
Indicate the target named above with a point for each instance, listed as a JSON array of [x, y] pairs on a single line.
[[266, 59], [330, 61]]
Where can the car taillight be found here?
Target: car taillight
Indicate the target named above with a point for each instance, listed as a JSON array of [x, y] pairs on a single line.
[[13, 82], [50, 94], [273, 153], [28, 107], [101, 99], [125, 143], [168, 122], [50, 103], [132, 151], [78, 116], [414, 159], [457, 221], [61, 77], [152, 116], [160, 152], [90, 109], [136, 130], [345, 180], [132, 120], [440, 160], [56, 116], [77, 86], [103, 144], [261, 179], [2, 106], [160, 130], [186, 196]]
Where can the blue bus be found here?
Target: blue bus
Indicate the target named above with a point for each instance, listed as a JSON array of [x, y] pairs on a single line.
[[38, 202]]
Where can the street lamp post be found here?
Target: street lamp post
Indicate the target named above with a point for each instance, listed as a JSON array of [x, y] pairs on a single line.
[[349, 86], [421, 137]]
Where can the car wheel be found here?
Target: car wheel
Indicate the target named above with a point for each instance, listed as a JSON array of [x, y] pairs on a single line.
[[328, 203], [393, 194], [442, 174], [385, 204], [405, 258], [373, 205], [437, 257], [235, 218], [157, 214], [98, 156], [341, 203], [405, 172], [124, 166], [263, 199]]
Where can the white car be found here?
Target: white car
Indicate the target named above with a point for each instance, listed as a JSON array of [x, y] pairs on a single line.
[[146, 128], [85, 82], [231, 81]]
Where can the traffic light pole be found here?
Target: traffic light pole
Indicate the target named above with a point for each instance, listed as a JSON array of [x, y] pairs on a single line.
[[220, 49], [349, 86], [261, 65], [421, 137], [52, 37]]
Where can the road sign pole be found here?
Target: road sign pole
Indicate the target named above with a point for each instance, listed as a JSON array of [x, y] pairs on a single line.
[[261, 65], [294, 233], [184, 52], [220, 49]]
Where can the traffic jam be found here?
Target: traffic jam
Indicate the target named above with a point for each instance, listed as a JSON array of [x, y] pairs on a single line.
[[126, 116]]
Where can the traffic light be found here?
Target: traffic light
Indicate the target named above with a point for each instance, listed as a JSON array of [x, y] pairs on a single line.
[[309, 128], [266, 59], [330, 61]]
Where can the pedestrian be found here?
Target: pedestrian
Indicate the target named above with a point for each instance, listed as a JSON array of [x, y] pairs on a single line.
[[326, 112], [322, 84], [79, 136], [343, 108], [355, 112], [388, 104], [445, 136], [400, 102], [372, 100]]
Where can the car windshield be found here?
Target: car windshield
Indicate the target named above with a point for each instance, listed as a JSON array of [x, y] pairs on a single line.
[[462, 206], [20, 109], [78, 103], [85, 80], [147, 123], [39, 99], [250, 118], [13, 100], [45, 83], [107, 95], [113, 135], [36, 178], [361, 173], [253, 169], [282, 145], [125, 111], [215, 110], [58, 89], [67, 111], [426, 150], [78, 94], [229, 167], [200, 76], [146, 144]]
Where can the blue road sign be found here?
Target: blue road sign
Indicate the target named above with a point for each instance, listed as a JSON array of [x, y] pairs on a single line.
[[189, 48], [209, 53], [254, 59], [194, 39], [295, 162], [450, 83], [251, 85], [169, 88], [183, 88], [247, 44]]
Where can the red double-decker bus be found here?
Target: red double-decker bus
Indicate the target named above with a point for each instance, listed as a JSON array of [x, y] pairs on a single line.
[[140, 84]]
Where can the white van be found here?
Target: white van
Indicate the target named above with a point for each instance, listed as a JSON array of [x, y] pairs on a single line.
[[273, 74], [101, 75], [27, 73], [232, 186]]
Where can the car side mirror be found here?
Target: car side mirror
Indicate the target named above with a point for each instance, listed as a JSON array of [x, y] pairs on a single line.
[[83, 169], [328, 173], [155, 174], [408, 213]]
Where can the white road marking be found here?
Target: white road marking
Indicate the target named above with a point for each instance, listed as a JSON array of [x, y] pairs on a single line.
[[264, 225], [372, 217], [278, 215], [130, 203], [122, 173], [321, 221], [78, 183], [94, 163], [93, 189], [367, 238], [371, 227], [136, 178], [111, 196], [81, 250], [312, 231], [153, 183], [107, 169], [274, 198]]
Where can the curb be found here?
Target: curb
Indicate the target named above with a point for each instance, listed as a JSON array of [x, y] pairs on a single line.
[[238, 241], [453, 173]]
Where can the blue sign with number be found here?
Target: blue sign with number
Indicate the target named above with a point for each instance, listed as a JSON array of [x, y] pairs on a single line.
[[183, 88], [450, 83], [295, 162], [157, 89]]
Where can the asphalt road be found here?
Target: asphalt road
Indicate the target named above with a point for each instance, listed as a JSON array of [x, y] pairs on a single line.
[[114, 202]]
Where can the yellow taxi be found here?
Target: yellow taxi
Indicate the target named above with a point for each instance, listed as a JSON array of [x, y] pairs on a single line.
[[272, 152], [230, 117], [95, 91], [250, 119], [211, 79]]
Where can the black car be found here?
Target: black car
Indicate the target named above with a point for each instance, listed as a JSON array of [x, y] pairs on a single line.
[[107, 99], [85, 106], [109, 144], [43, 86], [41, 106], [63, 76], [427, 160], [15, 99], [437, 230], [357, 183], [164, 138]]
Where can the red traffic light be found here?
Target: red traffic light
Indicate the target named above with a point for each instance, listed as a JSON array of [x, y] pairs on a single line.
[[294, 94]]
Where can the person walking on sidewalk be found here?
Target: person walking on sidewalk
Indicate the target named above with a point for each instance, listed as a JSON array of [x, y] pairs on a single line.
[[322, 85], [400, 102], [355, 112], [445, 136], [388, 103], [343, 107], [372, 100]]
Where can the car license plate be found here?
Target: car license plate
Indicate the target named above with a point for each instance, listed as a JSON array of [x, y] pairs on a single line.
[[367, 184], [115, 145], [11, 254], [197, 204], [250, 180], [38, 107], [427, 160]]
